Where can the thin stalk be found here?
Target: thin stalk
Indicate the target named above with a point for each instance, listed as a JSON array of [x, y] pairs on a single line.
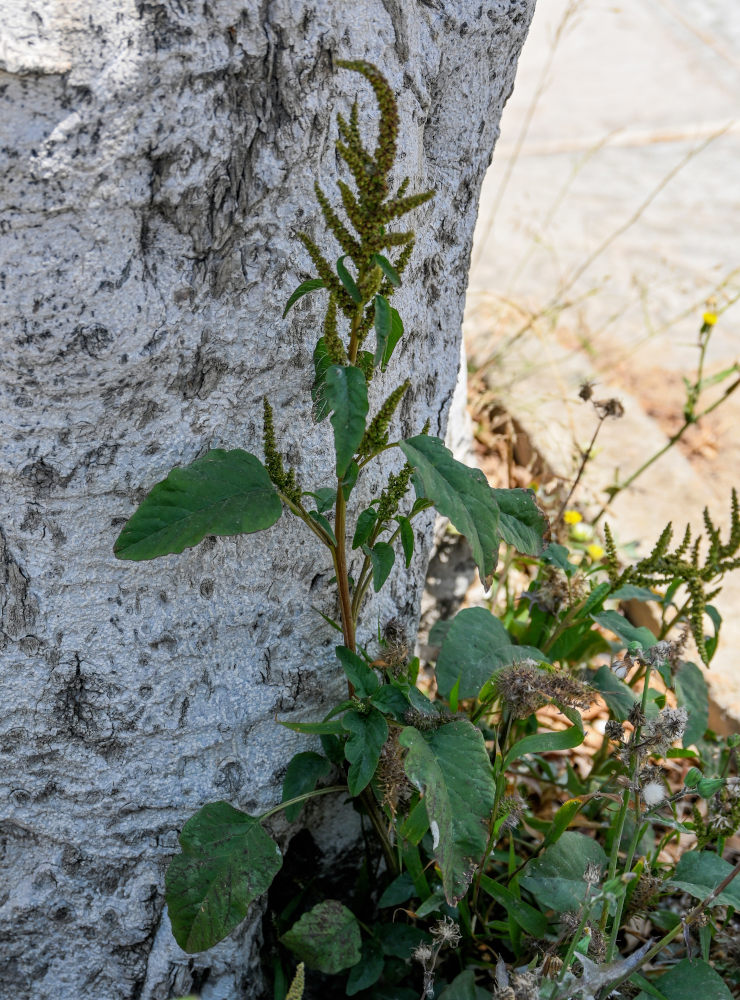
[[302, 798], [584, 461], [576, 937], [691, 917], [499, 785], [635, 840]]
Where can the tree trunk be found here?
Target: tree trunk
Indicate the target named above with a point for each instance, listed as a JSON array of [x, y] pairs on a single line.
[[158, 157]]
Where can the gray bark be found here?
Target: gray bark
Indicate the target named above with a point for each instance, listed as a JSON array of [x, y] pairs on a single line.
[[156, 160]]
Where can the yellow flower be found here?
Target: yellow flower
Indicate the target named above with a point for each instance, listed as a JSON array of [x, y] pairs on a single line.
[[572, 517], [595, 551], [709, 318]]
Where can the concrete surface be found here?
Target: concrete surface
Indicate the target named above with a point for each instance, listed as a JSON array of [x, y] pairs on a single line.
[[604, 231]]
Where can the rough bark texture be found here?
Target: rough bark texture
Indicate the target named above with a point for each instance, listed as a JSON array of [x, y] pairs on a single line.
[[156, 160]]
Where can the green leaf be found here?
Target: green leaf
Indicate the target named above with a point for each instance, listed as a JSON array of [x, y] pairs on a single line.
[[631, 592], [382, 558], [321, 365], [460, 493], [560, 821], [690, 979], [328, 727], [521, 522], [400, 939], [475, 646], [222, 493], [368, 970], [700, 872], [303, 289], [346, 394], [365, 524], [407, 539], [416, 823], [556, 878], [303, 772], [566, 739], [393, 337], [399, 891], [391, 701], [368, 733], [325, 498], [619, 697], [692, 694], [326, 938], [361, 677], [557, 555], [348, 281], [349, 479], [227, 861], [531, 920], [450, 766], [463, 987], [323, 523], [382, 327], [388, 269], [628, 633]]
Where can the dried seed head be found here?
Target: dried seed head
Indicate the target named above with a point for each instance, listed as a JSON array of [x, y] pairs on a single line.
[[659, 734], [586, 390], [636, 717], [447, 933], [592, 873], [524, 687], [609, 408], [614, 731], [422, 953]]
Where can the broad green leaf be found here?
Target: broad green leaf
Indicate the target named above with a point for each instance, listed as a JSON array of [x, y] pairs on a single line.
[[326, 938], [382, 558], [450, 766], [321, 365], [416, 823], [227, 861], [393, 337], [463, 987], [557, 555], [556, 878], [346, 394], [474, 647], [460, 493], [521, 522], [391, 701], [382, 327], [625, 631], [407, 539], [368, 970], [368, 733], [400, 890], [631, 592], [566, 739], [619, 697], [361, 677], [692, 694], [531, 920], [365, 524], [222, 493], [690, 979], [399, 939], [388, 269], [348, 281], [323, 523], [700, 872], [303, 772], [303, 289]]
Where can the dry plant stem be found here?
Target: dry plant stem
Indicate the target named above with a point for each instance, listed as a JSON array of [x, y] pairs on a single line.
[[586, 455], [691, 917], [614, 856]]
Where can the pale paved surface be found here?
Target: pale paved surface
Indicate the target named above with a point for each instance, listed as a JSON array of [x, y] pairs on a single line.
[[632, 90]]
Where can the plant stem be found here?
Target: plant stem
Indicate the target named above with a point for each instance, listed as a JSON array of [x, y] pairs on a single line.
[[691, 917], [635, 840], [584, 461], [576, 937], [302, 798], [340, 567]]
